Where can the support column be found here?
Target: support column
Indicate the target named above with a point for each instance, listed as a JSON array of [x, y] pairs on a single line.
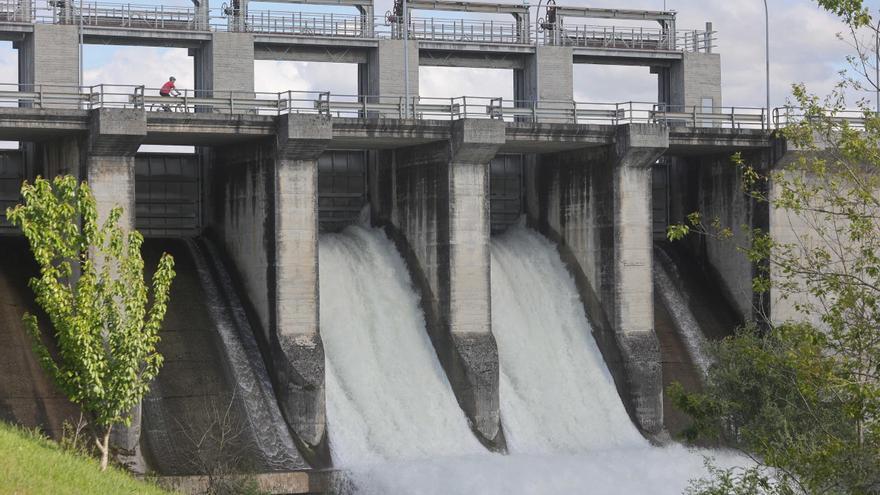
[[49, 55], [114, 138], [226, 63], [264, 214], [596, 204], [383, 74], [440, 219], [547, 78], [299, 142], [691, 82], [636, 149]]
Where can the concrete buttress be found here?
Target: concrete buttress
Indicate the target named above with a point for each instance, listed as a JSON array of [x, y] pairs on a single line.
[[113, 140], [636, 149], [264, 212], [440, 212], [596, 204], [300, 141]]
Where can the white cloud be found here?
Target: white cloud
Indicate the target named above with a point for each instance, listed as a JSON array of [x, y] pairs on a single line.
[[139, 66], [445, 82], [8, 63], [275, 76]]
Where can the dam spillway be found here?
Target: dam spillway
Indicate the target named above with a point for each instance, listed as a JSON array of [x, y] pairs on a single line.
[[388, 398], [383, 400], [437, 335], [544, 337]]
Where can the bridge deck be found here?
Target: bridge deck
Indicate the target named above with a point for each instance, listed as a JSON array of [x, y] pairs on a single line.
[[205, 129]]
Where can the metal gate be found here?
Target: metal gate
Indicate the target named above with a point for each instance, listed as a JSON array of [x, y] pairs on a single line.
[[11, 176], [167, 198], [342, 188], [660, 198], [505, 191]]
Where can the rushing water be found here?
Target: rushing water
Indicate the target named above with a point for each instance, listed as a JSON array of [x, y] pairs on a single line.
[[395, 426], [388, 398], [557, 395]]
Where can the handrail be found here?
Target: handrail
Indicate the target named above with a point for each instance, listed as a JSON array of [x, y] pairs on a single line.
[[857, 119], [380, 106], [495, 31]]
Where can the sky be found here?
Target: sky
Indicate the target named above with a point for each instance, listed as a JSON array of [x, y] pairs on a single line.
[[803, 43]]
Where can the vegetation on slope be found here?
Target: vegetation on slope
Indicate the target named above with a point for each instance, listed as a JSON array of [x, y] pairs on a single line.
[[32, 464]]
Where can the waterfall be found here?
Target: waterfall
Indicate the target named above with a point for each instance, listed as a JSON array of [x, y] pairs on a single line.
[[388, 398], [557, 395], [395, 426]]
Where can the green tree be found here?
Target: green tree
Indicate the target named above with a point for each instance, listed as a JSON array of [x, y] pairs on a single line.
[[802, 397], [91, 286]]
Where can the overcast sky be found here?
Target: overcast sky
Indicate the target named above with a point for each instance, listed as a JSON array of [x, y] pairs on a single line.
[[804, 48]]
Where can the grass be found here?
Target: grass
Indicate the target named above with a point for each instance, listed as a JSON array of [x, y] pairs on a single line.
[[32, 464]]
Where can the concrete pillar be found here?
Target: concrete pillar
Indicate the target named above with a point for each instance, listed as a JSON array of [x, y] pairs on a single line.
[[226, 63], [49, 55], [691, 82], [264, 214], [596, 204], [547, 75], [636, 149], [383, 74], [300, 141], [440, 218], [113, 140]]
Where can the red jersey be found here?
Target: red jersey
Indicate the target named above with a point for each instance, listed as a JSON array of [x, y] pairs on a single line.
[[166, 88]]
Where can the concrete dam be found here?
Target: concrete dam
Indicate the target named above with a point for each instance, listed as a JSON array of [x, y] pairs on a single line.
[[442, 295]]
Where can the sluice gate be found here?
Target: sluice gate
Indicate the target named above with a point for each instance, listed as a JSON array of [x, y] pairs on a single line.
[[342, 188], [505, 191], [167, 194]]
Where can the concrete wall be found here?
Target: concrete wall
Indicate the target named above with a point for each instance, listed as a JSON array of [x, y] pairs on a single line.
[[597, 205], [439, 216], [383, 74], [49, 55], [547, 75], [264, 212], [713, 186], [686, 83], [114, 138], [789, 227], [225, 63]]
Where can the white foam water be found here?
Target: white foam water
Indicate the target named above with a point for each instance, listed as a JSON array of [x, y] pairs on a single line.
[[557, 395], [394, 424], [388, 398]]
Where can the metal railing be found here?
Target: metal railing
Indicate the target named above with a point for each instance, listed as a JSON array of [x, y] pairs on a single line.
[[463, 30], [373, 107], [856, 119], [630, 38], [108, 14], [164, 17], [16, 11], [305, 24], [136, 16]]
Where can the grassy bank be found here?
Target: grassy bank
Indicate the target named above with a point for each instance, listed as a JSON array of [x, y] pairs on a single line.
[[31, 464]]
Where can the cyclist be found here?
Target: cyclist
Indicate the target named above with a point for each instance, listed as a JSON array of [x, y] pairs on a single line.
[[168, 90]]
